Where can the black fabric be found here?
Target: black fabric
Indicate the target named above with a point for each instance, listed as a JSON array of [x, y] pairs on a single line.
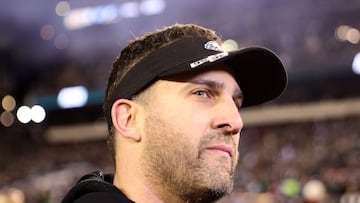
[[95, 187]]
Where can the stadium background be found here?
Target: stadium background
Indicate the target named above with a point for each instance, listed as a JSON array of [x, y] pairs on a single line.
[[307, 140]]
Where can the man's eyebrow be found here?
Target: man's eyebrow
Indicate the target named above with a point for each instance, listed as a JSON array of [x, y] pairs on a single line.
[[209, 83], [238, 95]]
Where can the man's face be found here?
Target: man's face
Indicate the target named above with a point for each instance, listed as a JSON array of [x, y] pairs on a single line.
[[191, 135]]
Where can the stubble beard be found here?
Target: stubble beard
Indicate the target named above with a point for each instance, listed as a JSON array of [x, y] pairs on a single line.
[[178, 168]]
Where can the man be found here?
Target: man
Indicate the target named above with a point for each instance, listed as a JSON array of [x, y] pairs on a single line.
[[172, 105]]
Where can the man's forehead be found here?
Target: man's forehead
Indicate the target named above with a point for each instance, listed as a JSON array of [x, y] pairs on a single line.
[[219, 76]]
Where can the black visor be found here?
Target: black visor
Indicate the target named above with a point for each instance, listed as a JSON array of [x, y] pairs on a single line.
[[258, 71]]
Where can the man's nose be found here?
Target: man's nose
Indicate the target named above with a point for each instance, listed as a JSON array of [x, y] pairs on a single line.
[[228, 118]]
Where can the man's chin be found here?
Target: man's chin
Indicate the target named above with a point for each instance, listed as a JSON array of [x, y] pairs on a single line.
[[217, 167], [220, 163], [219, 181]]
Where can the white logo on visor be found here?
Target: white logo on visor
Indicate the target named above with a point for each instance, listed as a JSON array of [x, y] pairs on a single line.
[[212, 45], [210, 59]]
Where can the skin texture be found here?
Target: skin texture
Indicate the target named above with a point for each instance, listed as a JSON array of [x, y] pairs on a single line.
[[181, 143]]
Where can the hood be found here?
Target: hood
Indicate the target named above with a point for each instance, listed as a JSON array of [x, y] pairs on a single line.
[[95, 187]]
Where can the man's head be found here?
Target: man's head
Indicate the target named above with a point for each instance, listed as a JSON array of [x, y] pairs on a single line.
[[140, 48], [180, 93]]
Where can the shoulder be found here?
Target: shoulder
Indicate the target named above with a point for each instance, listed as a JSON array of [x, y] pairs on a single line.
[[95, 187]]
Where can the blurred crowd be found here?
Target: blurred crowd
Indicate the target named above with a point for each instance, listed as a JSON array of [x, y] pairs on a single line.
[[309, 162], [303, 162]]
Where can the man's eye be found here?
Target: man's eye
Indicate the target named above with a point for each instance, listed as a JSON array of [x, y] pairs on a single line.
[[203, 93]]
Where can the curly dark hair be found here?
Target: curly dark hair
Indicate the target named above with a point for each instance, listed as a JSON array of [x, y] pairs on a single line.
[[140, 48]]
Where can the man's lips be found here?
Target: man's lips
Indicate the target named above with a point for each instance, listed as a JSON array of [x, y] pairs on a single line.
[[222, 148]]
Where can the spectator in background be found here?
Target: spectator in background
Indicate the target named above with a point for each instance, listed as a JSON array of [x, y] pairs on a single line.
[[314, 191], [12, 195], [172, 106]]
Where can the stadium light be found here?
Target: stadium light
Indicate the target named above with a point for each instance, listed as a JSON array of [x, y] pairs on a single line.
[[72, 97], [38, 114], [24, 114], [356, 64]]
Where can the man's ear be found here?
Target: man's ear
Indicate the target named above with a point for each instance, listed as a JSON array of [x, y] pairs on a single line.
[[123, 114]]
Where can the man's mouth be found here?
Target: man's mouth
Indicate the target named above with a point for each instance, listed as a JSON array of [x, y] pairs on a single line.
[[225, 149]]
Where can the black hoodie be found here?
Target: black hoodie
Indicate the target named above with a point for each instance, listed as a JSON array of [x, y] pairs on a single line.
[[95, 187]]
